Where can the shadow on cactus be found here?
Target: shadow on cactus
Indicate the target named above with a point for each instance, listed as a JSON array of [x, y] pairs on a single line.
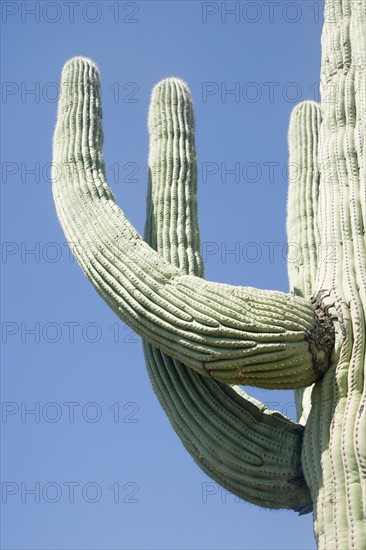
[[202, 339]]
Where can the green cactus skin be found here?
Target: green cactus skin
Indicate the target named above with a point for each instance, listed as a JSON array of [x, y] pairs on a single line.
[[334, 438], [201, 337], [326, 216]]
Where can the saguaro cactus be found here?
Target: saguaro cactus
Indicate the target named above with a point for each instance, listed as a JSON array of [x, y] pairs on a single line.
[[201, 338]]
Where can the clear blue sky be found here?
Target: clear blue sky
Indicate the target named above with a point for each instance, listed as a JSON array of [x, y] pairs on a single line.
[[106, 468]]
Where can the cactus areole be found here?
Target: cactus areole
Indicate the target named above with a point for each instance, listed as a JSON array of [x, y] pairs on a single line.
[[201, 339]]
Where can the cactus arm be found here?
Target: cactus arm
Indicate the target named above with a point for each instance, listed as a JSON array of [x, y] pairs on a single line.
[[304, 176], [303, 235], [234, 334], [172, 214], [253, 452], [247, 449], [302, 224]]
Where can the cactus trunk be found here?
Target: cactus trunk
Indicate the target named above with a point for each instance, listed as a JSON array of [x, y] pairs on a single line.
[[334, 450]]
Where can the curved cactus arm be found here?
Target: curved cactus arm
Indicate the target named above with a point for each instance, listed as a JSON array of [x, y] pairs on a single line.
[[234, 334], [253, 452], [302, 223]]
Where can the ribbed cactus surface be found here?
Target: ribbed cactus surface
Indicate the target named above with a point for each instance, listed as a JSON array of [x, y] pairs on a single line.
[[233, 334], [253, 452], [202, 337]]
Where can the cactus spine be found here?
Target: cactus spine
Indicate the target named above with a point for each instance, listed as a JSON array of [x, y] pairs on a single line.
[[200, 337]]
